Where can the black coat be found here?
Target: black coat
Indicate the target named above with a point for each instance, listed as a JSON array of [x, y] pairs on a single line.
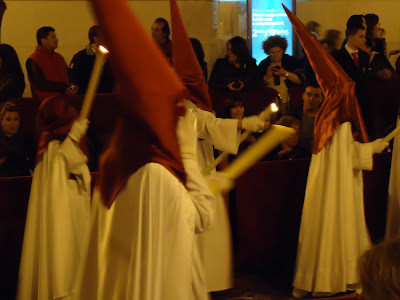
[[20, 153], [80, 70], [11, 86], [359, 76], [289, 63], [224, 72]]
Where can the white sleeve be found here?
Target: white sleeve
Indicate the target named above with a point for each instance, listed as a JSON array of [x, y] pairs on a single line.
[[76, 162], [202, 198], [362, 156], [222, 133]]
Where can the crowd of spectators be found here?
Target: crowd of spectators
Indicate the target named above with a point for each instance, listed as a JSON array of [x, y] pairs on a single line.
[[363, 56]]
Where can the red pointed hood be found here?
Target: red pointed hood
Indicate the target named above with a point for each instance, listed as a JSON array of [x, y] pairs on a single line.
[[185, 62], [149, 89], [340, 104]]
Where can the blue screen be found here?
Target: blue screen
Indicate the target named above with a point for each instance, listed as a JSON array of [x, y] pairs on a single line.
[[269, 18]]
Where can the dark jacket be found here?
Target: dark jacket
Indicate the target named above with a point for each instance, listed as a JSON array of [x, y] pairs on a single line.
[[19, 151], [224, 72], [11, 86], [289, 63], [80, 70], [346, 62], [377, 64], [359, 76]]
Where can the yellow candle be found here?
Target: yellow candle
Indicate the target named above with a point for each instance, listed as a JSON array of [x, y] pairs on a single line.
[[268, 141], [93, 83], [391, 135], [266, 114]]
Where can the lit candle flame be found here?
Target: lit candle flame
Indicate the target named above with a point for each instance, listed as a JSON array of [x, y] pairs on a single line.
[[274, 107], [103, 49]]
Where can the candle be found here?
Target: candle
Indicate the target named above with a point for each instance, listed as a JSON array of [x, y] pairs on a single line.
[[391, 135], [268, 141], [93, 82], [266, 114]]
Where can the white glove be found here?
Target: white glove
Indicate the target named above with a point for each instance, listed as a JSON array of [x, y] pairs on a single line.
[[253, 124], [187, 135], [219, 183], [78, 129], [378, 145]]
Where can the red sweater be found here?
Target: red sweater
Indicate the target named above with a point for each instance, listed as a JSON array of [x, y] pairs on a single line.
[[55, 71]]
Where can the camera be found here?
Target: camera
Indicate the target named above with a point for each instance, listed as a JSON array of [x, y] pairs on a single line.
[[277, 79]]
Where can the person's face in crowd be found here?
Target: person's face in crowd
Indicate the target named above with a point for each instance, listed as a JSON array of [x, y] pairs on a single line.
[[51, 42], [357, 41], [10, 123], [157, 33], [293, 139], [312, 98], [231, 56], [237, 112], [376, 32], [276, 54]]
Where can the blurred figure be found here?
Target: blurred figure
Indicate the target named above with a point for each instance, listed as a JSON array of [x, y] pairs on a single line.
[[279, 70], [331, 40], [47, 70], [315, 28], [198, 49], [379, 270], [12, 83], [160, 33], [81, 66], [236, 72], [17, 150]]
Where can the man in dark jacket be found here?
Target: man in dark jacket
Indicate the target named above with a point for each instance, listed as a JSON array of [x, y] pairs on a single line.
[[354, 62], [82, 63]]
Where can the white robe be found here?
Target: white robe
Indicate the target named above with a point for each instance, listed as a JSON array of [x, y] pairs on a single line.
[[214, 245], [57, 222], [333, 232], [142, 247], [393, 205]]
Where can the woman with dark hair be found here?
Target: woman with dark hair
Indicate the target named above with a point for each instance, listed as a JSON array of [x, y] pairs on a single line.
[[236, 72], [374, 29], [379, 66], [12, 83], [279, 70], [17, 150], [198, 50]]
